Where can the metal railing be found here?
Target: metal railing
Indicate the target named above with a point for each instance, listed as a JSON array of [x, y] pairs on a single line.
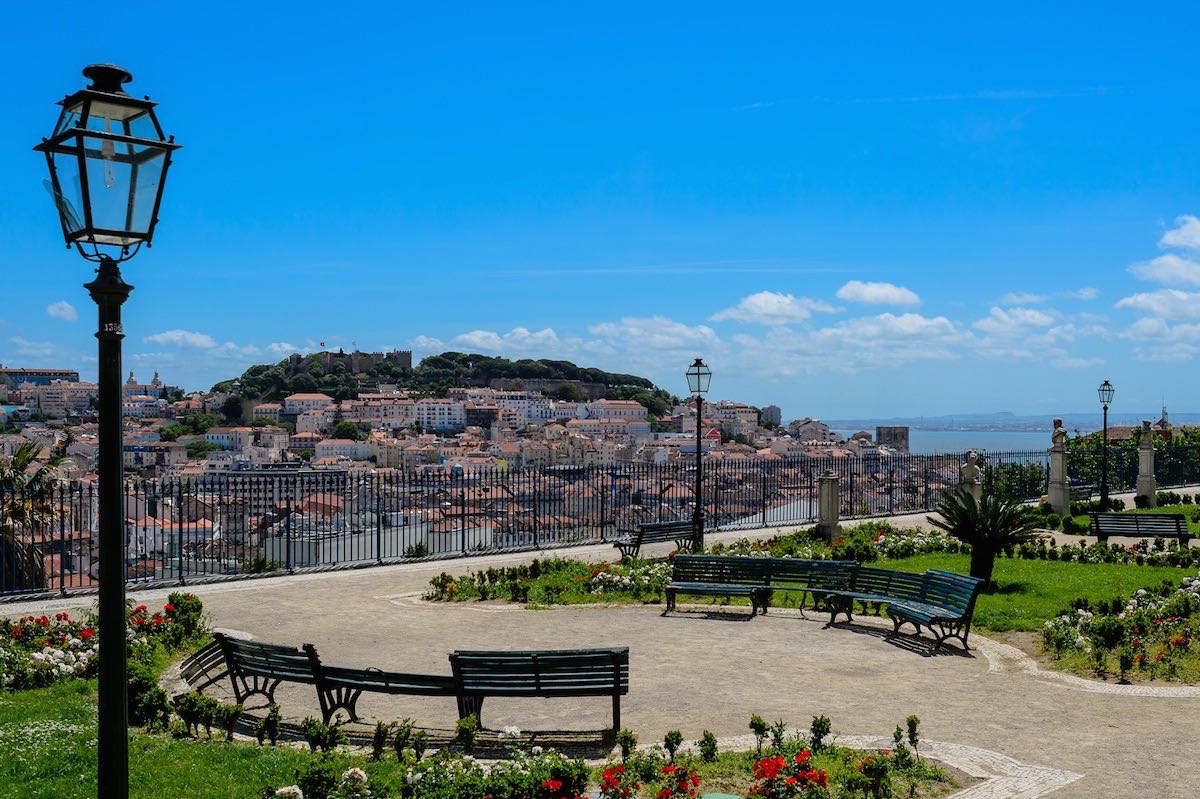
[[222, 525]]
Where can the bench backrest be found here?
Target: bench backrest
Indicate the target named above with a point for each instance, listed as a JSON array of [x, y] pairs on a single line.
[[890, 583], [956, 592], [799, 573], [377, 681], [657, 532], [720, 569], [1139, 524], [549, 672], [275, 661]]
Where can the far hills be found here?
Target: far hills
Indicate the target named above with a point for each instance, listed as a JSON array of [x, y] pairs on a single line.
[[344, 375]]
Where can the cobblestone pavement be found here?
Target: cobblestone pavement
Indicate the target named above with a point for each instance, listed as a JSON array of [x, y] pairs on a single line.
[[711, 668]]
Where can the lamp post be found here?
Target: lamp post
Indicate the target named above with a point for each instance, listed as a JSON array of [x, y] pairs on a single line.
[[1105, 392], [108, 163], [699, 376]]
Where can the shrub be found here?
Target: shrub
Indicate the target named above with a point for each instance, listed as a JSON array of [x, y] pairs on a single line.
[[318, 779], [913, 724], [778, 730], [465, 731], [259, 563], [380, 738], [1141, 501], [708, 747], [420, 741], [268, 725], [227, 718], [322, 736], [760, 728], [671, 742], [417, 550], [1052, 521], [819, 730], [856, 545], [196, 710], [403, 737], [627, 740]]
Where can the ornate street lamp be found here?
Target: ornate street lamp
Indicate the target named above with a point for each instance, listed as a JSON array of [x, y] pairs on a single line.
[[108, 163], [698, 376], [1105, 392]]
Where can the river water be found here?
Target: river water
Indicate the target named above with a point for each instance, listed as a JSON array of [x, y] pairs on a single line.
[[923, 442]]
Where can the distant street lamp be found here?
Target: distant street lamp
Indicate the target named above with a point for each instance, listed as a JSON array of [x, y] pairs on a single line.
[[1106, 395], [699, 376], [108, 163]]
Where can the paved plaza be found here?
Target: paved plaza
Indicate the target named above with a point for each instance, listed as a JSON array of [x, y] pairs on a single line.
[[711, 668]]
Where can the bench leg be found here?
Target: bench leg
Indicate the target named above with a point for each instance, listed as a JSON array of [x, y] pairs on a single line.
[[670, 600], [335, 699], [838, 607], [471, 704], [616, 713], [244, 687]]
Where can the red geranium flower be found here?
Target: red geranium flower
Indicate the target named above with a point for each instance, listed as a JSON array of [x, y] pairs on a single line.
[[552, 785], [86, 633]]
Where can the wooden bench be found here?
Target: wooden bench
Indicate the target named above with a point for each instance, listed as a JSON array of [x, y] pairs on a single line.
[[1141, 525], [940, 600], [204, 667], [540, 673], [256, 668], [680, 532], [715, 575]]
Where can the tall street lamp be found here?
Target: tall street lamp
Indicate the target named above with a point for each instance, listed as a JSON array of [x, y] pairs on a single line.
[[1106, 394], [698, 376], [108, 163]]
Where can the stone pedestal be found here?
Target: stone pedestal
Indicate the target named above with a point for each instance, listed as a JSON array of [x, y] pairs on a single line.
[[1059, 493], [829, 505], [1146, 486]]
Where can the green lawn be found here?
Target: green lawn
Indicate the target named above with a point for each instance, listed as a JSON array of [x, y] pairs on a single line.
[[1030, 591], [48, 751]]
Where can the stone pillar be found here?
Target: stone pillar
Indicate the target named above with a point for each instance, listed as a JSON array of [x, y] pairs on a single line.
[[829, 505], [969, 476], [1146, 485], [1060, 484]]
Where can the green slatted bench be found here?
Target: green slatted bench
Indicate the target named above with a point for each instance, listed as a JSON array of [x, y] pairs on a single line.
[[812, 577], [940, 600], [339, 687], [540, 673], [679, 532], [204, 667], [716, 575], [257, 668], [1141, 525]]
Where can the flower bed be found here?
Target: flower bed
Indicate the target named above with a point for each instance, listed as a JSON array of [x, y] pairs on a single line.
[[1148, 636], [557, 581]]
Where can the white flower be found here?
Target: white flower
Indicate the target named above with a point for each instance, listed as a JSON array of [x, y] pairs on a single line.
[[535, 751], [354, 776], [290, 792], [510, 732]]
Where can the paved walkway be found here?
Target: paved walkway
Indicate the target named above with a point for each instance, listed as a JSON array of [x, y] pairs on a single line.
[[701, 669]]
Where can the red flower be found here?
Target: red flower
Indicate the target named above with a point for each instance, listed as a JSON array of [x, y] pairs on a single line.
[[86, 633], [140, 609], [665, 793], [169, 608], [803, 757], [552, 785], [670, 768]]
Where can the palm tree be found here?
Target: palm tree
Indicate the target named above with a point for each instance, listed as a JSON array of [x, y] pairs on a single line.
[[26, 504], [989, 525]]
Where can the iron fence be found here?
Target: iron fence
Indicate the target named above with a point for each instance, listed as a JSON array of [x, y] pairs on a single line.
[[228, 524]]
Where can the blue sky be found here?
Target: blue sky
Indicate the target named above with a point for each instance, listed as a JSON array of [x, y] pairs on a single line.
[[869, 213]]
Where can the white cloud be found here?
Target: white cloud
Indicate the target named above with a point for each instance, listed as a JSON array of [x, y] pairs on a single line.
[[428, 344], [1170, 269], [656, 332], [282, 348], [772, 308], [32, 349], [182, 338], [1185, 234], [1087, 293], [1013, 321], [877, 293], [229, 350], [1165, 303], [1022, 298], [517, 340], [62, 310]]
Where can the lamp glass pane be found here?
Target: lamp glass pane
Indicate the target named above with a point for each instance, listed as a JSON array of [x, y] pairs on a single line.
[[705, 380], [110, 186], [149, 178], [67, 119], [69, 200]]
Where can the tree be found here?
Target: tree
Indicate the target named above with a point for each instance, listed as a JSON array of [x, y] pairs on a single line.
[[305, 454], [171, 431], [992, 524], [231, 409], [347, 429], [198, 449], [26, 505]]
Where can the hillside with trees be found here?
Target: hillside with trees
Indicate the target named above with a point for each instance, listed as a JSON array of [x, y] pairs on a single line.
[[434, 376]]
